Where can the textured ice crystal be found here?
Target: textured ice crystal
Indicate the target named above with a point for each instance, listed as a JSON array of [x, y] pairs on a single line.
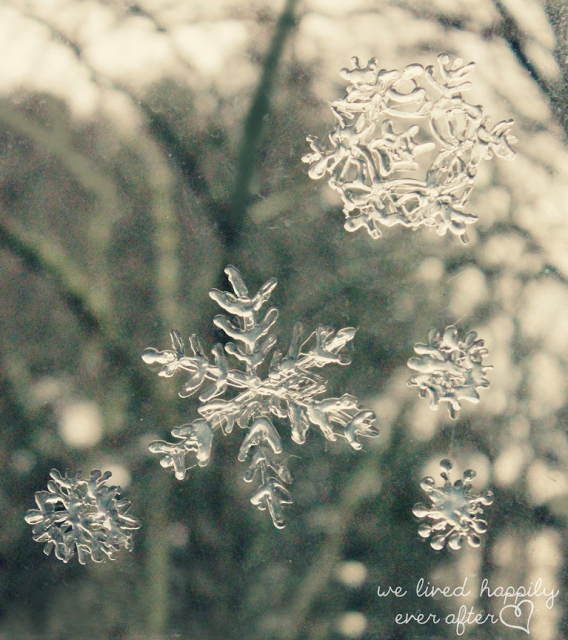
[[454, 510], [82, 514], [288, 391], [369, 155], [450, 369]]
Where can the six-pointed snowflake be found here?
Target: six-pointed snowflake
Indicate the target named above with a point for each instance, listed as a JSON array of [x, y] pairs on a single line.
[[289, 391], [82, 514], [368, 156], [454, 510], [450, 369]]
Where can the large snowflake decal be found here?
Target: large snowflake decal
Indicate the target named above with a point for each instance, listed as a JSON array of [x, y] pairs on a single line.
[[82, 514], [454, 510], [290, 391], [450, 369], [368, 157]]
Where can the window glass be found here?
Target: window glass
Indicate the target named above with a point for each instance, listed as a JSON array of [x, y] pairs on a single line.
[[383, 230]]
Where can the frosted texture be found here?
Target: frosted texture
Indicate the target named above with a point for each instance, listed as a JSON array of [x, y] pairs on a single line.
[[454, 510], [369, 153], [84, 515], [450, 369], [289, 391]]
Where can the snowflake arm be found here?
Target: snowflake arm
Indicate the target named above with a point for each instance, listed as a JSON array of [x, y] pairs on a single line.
[[273, 494], [196, 437], [82, 515], [289, 391], [361, 425], [241, 304], [454, 510], [249, 336], [176, 360]]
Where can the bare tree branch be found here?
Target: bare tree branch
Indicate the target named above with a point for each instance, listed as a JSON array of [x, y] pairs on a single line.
[[231, 225]]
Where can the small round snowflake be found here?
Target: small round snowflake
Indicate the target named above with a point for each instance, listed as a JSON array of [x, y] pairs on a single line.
[[450, 369], [80, 514], [454, 510]]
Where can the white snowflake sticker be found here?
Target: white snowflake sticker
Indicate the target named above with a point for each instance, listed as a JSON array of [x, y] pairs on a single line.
[[450, 369], [454, 510], [83, 515], [289, 391], [370, 153]]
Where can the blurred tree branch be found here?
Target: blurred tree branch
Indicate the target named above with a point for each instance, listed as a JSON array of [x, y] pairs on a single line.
[[44, 257], [232, 223], [516, 38], [556, 92]]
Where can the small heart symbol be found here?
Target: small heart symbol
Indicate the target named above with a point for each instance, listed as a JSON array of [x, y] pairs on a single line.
[[517, 609]]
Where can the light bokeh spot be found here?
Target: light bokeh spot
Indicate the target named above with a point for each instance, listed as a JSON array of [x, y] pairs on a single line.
[[352, 624], [81, 424], [351, 573]]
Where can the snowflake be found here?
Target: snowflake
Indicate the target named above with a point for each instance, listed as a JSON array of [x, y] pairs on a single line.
[[454, 510], [450, 369], [367, 159], [289, 391], [82, 513]]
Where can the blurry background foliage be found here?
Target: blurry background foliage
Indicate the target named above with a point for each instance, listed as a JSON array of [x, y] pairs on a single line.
[[144, 146]]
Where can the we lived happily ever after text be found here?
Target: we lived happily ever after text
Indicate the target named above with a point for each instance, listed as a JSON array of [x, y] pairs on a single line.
[[515, 611]]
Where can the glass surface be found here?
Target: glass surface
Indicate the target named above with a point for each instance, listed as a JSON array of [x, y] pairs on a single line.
[[145, 147]]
